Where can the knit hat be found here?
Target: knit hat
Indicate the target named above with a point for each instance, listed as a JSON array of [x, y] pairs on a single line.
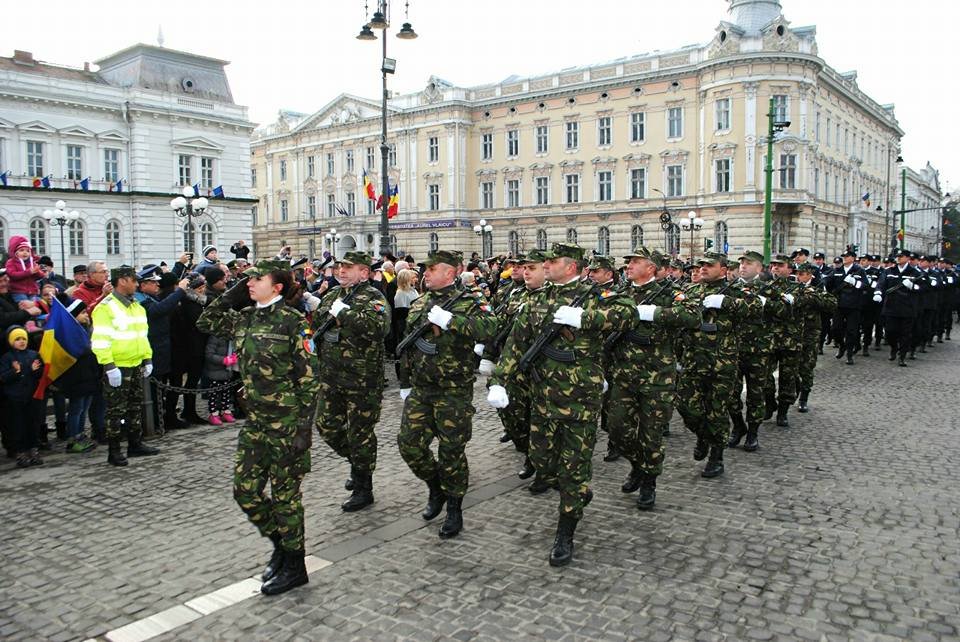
[[207, 249], [15, 332], [214, 274], [45, 260]]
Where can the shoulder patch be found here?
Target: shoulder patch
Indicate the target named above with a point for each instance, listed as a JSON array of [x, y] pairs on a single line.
[[680, 296], [606, 294], [378, 306]]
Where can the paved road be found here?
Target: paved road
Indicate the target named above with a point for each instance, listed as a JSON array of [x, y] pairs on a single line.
[[844, 526]]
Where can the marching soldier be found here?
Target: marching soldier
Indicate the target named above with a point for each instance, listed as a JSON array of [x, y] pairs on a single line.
[[811, 302], [786, 343], [507, 288], [278, 371], [602, 273], [847, 283], [349, 406], [568, 398], [436, 384], [898, 289], [870, 316], [951, 298]]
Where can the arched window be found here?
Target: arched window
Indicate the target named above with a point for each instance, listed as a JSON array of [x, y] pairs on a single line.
[[720, 236], [673, 240], [636, 237], [572, 236], [434, 242], [778, 239], [207, 236], [513, 241], [603, 241], [113, 237], [38, 236], [541, 239], [189, 237], [77, 245]]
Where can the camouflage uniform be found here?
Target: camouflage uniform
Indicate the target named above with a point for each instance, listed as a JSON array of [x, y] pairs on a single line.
[[786, 349], [811, 303], [598, 262], [278, 372]]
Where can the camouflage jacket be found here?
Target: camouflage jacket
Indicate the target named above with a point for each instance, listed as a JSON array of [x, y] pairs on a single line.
[[787, 333], [355, 342], [757, 333], [505, 292], [810, 303], [568, 389], [515, 299], [714, 344], [277, 366], [643, 357], [453, 362]]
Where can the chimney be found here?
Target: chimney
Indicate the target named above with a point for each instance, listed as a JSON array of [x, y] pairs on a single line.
[[86, 67], [23, 57]]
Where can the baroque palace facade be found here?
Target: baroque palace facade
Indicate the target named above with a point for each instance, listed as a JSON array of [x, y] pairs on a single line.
[[594, 155]]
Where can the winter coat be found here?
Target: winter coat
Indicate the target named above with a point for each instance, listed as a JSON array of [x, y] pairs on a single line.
[[19, 386], [83, 378], [23, 280], [160, 314], [89, 293], [217, 348], [187, 342], [10, 315]]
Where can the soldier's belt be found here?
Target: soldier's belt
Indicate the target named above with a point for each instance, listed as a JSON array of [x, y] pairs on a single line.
[[563, 356], [332, 336], [636, 338], [708, 327], [426, 347]]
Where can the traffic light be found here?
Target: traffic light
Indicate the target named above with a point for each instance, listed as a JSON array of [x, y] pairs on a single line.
[[707, 245]]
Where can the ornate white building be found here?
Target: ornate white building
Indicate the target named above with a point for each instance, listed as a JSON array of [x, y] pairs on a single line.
[[593, 154], [151, 118], [923, 193]]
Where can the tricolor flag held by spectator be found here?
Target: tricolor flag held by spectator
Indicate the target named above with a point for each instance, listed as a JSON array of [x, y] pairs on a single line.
[[394, 205], [218, 192], [368, 187], [64, 341]]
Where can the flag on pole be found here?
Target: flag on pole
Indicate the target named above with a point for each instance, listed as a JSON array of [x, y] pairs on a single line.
[[218, 192], [45, 182], [368, 187], [37, 182], [85, 184], [64, 341], [196, 189], [866, 199], [394, 205], [3, 177]]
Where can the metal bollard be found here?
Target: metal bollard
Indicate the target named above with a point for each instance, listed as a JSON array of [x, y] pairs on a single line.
[[148, 427]]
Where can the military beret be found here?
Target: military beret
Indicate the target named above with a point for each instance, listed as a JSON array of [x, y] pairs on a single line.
[[448, 257], [266, 266], [358, 258], [568, 250], [780, 258], [599, 262], [756, 257], [534, 256], [122, 272], [806, 266], [710, 258]]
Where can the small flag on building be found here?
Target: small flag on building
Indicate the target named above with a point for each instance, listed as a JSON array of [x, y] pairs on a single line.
[[37, 182], [85, 184], [394, 205], [218, 192], [45, 182], [866, 199], [3, 177], [196, 189]]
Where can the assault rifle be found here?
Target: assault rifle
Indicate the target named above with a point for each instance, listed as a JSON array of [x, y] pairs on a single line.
[[421, 330], [614, 338], [328, 324], [549, 334]]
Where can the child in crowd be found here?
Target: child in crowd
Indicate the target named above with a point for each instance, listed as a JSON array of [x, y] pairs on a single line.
[[220, 361], [80, 383], [20, 371], [23, 268]]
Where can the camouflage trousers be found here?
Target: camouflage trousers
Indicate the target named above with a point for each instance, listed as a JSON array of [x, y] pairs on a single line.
[[808, 362], [262, 458], [703, 400], [788, 362], [637, 418], [753, 368], [444, 414], [562, 451], [516, 417], [346, 418], [123, 405]]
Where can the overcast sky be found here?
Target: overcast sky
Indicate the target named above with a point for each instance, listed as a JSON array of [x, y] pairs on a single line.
[[299, 54]]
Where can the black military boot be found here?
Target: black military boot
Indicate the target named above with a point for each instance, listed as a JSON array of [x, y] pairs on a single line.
[[453, 523], [700, 449], [632, 483], [292, 573], [528, 470], [769, 408], [866, 349], [782, 409], [612, 453], [115, 454], [62, 429], [903, 362], [849, 359], [739, 430], [362, 495], [893, 353], [751, 444], [136, 448], [276, 560], [714, 467], [435, 501], [562, 551], [504, 438], [538, 486], [648, 492], [804, 397], [840, 353]]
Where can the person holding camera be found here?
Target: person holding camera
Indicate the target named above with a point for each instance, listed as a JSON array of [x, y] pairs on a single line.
[[240, 250]]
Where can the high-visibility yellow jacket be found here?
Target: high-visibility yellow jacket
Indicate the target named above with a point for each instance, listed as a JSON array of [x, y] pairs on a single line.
[[120, 333]]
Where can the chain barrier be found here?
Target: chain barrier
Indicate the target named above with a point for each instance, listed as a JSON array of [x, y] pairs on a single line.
[[163, 388]]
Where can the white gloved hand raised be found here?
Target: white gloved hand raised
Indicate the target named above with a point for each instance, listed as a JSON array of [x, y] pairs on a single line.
[[908, 283], [646, 312], [606, 386], [497, 397], [565, 315], [486, 367], [337, 307], [788, 298], [478, 349], [404, 393], [114, 377], [877, 297], [439, 317], [714, 301]]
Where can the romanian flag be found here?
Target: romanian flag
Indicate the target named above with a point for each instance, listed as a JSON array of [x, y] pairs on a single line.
[[368, 187], [394, 205], [900, 235], [85, 184], [37, 182], [866, 199], [64, 341], [218, 191]]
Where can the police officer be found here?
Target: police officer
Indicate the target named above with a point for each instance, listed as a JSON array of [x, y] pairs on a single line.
[[897, 288], [847, 284]]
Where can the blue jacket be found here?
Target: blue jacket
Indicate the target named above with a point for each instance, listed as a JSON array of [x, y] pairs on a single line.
[[19, 386]]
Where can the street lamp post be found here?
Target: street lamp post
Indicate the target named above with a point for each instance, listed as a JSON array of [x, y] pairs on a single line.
[[485, 231], [61, 217], [189, 207], [693, 223], [333, 238], [773, 126], [380, 22]]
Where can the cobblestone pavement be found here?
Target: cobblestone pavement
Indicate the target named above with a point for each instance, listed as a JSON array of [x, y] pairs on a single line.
[[844, 526]]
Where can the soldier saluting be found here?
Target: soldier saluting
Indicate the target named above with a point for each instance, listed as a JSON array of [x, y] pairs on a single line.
[[277, 368]]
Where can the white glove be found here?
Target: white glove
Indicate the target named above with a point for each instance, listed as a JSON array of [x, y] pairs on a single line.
[[908, 283], [877, 297], [788, 298], [714, 301], [646, 312], [858, 285], [849, 279], [606, 386], [311, 302], [486, 367], [478, 349], [147, 370], [404, 393], [950, 280], [497, 397], [338, 307], [873, 284], [114, 377], [439, 317], [763, 299], [933, 282], [566, 315]]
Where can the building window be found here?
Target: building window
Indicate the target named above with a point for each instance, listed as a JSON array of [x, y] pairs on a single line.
[[513, 242], [513, 143], [543, 140], [828, 132], [34, 158], [350, 165], [542, 185], [74, 162], [816, 182], [113, 238], [720, 236], [183, 169], [723, 114], [331, 206], [637, 127], [111, 165], [816, 128], [331, 165], [284, 211], [352, 203], [3, 234], [312, 207], [723, 174], [573, 188], [636, 237], [206, 172], [189, 236], [603, 241], [572, 235], [206, 235], [394, 245], [370, 205], [673, 239], [311, 166], [638, 183], [392, 156], [513, 193], [604, 130], [283, 170], [675, 180], [605, 186], [486, 147], [38, 236], [781, 111], [254, 216], [486, 195], [433, 149], [541, 239], [788, 171], [573, 135], [253, 176], [675, 122], [434, 242], [371, 158], [433, 193]]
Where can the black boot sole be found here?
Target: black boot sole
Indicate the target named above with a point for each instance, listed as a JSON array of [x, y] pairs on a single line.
[[348, 507], [270, 589], [561, 561], [709, 473]]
